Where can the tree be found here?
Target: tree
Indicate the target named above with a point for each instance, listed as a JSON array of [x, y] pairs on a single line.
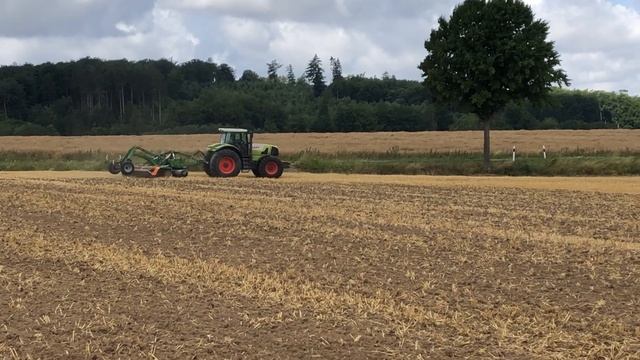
[[10, 91], [489, 53], [315, 75], [224, 74], [272, 70], [249, 76], [291, 77], [336, 69], [323, 122]]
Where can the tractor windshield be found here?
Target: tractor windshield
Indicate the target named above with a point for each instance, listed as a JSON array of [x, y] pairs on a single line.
[[233, 138]]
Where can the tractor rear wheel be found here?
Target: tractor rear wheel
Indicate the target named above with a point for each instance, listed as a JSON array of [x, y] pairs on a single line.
[[256, 172], [127, 168], [270, 167], [224, 163]]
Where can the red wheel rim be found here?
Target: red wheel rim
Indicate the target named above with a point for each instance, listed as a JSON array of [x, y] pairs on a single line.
[[226, 165], [271, 168]]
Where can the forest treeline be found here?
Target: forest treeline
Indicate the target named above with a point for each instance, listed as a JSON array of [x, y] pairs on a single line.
[[94, 97]]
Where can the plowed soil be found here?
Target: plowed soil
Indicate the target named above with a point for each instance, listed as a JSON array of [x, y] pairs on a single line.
[[328, 266]]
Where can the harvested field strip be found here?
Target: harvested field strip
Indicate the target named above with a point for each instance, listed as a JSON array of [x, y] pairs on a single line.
[[443, 266], [601, 184], [435, 225], [427, 208], [411, 142], [505, 323], [424, 236], [67, 303], [218, 276]]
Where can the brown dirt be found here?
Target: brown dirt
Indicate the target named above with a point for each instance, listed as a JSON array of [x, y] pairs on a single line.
[[317, 265], [467, 141]]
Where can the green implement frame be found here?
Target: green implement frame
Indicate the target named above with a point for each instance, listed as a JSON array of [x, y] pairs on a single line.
[[144, 163]]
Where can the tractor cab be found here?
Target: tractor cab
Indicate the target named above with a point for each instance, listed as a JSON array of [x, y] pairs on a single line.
[[242, 139]]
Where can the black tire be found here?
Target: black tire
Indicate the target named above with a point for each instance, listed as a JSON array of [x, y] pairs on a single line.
[[180, 173], [270, 167], [205, 164], [225, 163], [127, 168], [256, 172], [114, 167]]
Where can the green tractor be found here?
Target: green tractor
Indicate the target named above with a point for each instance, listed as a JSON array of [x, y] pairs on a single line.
[[236, 152]]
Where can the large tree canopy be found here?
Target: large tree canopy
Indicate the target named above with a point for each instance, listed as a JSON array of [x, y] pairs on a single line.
[[490, 53]]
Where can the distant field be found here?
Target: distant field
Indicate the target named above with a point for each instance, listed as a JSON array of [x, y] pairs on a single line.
[[421, 142]]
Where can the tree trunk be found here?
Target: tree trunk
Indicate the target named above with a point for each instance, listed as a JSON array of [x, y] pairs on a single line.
[[159, 108], [6, 114], [487, 145], [122, 104]]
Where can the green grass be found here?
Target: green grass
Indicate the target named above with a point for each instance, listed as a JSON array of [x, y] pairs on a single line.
[[460, 163], [578, 163], [27, 161]]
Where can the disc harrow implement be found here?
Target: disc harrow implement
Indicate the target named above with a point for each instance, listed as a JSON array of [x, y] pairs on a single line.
[[139, 162]]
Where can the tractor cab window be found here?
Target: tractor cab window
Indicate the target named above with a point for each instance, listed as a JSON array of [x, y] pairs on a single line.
[[233, 138]]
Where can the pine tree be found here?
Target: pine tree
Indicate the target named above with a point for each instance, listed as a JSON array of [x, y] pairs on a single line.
[[336, 69], [315, 75], [272, 70], [291, 77]]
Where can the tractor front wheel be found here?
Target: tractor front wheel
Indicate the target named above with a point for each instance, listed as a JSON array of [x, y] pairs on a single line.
[[270, 167], [127, 168], [224, 163]]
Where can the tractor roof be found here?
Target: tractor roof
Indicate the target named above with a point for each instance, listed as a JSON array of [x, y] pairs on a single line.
[[232, 130]]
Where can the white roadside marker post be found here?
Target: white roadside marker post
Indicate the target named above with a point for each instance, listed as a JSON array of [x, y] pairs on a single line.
[[514, 153], [544, 152]]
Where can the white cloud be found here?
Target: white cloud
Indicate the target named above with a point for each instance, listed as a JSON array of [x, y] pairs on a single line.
[[299, 42], [166, 36], [231, 7], [126, 28], [246, 33], [94, 18], [598, 40]]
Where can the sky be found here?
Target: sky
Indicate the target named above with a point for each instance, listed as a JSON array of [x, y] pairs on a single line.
[[598, 40]]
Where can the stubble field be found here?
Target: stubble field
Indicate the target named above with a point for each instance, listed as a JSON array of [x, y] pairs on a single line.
[[329, 266]]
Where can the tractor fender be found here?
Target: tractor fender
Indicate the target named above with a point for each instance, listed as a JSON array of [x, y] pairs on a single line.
[[217, 147]]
